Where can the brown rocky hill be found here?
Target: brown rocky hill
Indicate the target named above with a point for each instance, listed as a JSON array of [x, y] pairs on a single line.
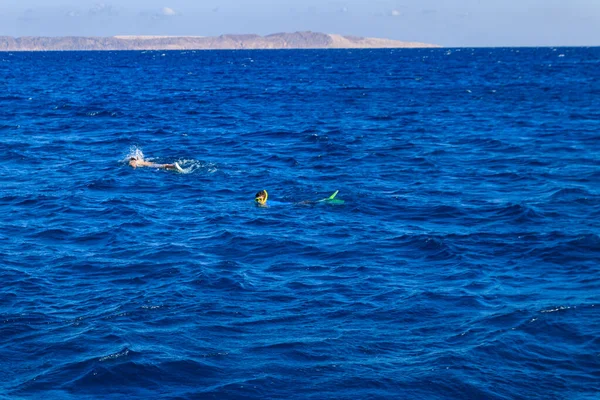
[[297, 40]]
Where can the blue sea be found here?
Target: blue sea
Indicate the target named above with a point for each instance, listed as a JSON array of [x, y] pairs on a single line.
[[464, 262]]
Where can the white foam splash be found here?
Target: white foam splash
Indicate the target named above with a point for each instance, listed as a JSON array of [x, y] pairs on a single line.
[[134, 151], [189, 166]]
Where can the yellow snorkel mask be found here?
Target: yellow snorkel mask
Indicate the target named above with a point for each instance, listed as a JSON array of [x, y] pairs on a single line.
[[261, 197]]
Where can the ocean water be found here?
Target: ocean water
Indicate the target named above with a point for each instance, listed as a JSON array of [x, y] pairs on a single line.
[[464, 262]]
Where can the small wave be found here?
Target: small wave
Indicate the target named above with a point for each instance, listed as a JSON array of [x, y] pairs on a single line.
[[357, 87], [232, 282], [114, 356], [446, 212], [586, 243], [12, 97], [381, 117], [519, 213], [285, 161], [570, 194], [9, 127], [437, 152], [102, 184], [429, 247], [486, 143], [97, 113], [560, 308], [583, 117], [560, 249], [52, 234]]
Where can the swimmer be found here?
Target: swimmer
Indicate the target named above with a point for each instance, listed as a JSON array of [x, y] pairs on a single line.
[[261, 199], [139, 162]]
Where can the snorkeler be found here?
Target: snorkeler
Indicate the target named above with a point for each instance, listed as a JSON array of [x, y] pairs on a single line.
[[139, 162], [261, 199]]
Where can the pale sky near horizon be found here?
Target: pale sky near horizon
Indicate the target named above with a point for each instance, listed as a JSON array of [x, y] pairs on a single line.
[[444, 22]]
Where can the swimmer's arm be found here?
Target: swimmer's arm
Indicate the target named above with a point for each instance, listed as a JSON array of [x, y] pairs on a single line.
[[136, 164], [141, 163]]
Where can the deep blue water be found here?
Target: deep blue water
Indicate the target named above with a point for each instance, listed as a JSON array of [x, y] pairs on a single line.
[[464, 263]]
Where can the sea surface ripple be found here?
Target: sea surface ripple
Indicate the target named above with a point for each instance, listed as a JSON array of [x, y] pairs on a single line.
[[463, 264]]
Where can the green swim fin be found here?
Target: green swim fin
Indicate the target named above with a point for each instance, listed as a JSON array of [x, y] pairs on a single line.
[[333, 195], [331, 199]]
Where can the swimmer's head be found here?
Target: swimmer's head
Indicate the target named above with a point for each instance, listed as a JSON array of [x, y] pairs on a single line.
[[261, 197]]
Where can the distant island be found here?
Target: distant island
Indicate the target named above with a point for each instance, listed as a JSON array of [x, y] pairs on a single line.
[[297, 40]]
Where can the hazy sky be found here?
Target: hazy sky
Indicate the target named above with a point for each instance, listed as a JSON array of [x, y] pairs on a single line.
[[445, 22]]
